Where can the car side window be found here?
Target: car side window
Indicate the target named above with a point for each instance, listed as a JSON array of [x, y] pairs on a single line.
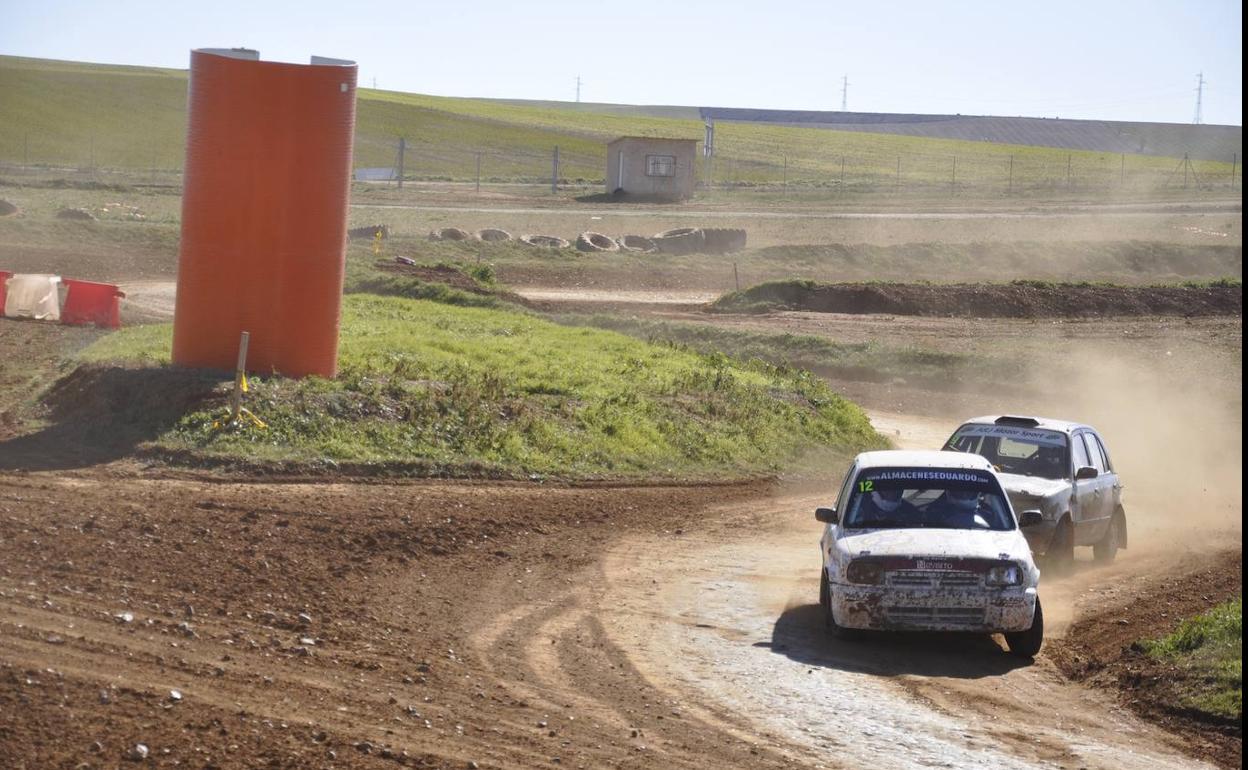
[[1099, 448], [1079, 451], [1094, 452]]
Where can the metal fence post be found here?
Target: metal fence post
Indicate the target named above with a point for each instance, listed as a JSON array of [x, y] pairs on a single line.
[[554, 172], [478, 173]]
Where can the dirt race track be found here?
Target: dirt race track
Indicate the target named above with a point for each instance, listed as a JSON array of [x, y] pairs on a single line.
[[491, 625]]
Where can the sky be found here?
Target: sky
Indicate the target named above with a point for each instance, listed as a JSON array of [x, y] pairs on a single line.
[[1092, 59]]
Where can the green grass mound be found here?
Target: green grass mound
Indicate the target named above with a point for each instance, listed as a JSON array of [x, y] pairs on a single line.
[[1209, 649], [436, 388]]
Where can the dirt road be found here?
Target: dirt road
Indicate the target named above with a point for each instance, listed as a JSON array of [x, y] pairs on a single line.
[[442, 624]]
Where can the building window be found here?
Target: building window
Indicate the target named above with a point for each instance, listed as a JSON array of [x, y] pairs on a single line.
[[660, 165]]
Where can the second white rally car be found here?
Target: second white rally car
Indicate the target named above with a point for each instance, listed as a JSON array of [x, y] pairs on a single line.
[[928, 541]]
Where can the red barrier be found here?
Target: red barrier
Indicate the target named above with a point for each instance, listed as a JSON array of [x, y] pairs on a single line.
[[89, 302], [4, 277]]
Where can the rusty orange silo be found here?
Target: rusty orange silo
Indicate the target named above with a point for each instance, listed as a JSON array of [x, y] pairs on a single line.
[[264, 212]]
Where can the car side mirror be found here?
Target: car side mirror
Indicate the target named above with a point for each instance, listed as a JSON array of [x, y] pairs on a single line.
[[1030, 518], [1086, 472], [826, 515]]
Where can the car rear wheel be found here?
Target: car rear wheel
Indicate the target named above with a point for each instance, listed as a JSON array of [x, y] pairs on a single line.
[[1026, 644], [1060, 555], [1105, 551]]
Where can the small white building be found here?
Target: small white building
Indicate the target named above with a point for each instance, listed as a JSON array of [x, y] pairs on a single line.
[[652, 167]]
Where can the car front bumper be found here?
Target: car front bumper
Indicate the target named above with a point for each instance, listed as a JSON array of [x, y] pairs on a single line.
[[899, 609]]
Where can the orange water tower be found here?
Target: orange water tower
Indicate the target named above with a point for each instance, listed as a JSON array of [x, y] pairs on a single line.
[[264, 212]]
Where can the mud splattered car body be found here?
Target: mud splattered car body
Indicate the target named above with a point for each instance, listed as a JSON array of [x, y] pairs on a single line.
[[928, 541], [1059, 468]]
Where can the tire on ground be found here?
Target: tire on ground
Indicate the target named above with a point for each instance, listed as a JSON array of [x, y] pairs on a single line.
[[637, 243], [683, 240], [493, 235], [591, 241], [1105, 551], [723, 240], [544, 241], [449, 234], [1026, 644]]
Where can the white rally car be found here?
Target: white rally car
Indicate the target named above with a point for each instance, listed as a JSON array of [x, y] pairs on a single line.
[[928, 541]]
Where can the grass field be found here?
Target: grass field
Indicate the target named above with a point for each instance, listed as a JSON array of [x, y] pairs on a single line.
[[1208, 649], [470, 390], [86, 115]]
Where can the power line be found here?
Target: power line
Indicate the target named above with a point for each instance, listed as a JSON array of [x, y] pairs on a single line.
[[1200, 93]]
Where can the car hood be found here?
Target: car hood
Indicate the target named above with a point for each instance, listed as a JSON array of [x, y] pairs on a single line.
[[938, 543], [1032, 486]]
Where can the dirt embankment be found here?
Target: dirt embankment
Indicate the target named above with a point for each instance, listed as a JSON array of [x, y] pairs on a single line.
[[1020, 299], [1099, 649], [450, 276]]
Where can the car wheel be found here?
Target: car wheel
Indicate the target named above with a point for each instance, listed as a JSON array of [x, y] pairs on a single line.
[[1105, 550], [1061, 552], [1026, 644], [835, 630]]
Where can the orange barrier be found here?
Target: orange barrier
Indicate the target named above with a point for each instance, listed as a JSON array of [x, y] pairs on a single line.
[[264, 212], [4, 292], [89, 302]]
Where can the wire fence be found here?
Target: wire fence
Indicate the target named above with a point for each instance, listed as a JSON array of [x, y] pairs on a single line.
[[582, 166]]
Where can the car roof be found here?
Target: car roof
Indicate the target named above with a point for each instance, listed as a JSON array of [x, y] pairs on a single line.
[[909, 458], [1044, 423]]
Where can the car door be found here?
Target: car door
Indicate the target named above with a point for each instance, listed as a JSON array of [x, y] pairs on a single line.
[[833, 531], [1110, 488], [1086, 511]]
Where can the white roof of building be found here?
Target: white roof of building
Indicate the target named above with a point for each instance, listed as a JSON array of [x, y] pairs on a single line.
[[909, 458]]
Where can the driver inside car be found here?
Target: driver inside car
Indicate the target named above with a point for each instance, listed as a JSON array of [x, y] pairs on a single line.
[[886, 505], [956, 508]]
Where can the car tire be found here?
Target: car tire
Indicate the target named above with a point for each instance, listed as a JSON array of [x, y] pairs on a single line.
[[1026, 644], [834, 629], [1060, 556], [1105, 551]]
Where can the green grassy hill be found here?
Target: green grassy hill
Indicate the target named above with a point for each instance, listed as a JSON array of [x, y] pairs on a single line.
[[84, 115], [426, 387]]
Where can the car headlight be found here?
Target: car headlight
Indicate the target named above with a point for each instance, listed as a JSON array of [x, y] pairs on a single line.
[[865, 572], [1008, 574]]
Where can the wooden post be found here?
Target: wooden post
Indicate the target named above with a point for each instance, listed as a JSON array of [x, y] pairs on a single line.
[[236, 400], [554, 172], [953, 180], [478, 173], [1068, 157], [1234, 159], [897, 182], [1186, 164], [1010, 187], [1122, 171], [841, 186], [736, 278], [785, 183], [402, 152]]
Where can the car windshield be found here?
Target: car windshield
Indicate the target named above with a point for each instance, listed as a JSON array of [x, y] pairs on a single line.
[[1015, 449], [902, 498]]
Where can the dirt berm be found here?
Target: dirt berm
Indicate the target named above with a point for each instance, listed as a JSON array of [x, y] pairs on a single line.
[[1018, 299]]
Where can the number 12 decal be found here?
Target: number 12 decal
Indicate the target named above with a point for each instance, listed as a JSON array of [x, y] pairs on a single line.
[[866, 486]]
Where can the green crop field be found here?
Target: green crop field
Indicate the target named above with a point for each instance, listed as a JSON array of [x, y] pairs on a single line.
[[89, 115]]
